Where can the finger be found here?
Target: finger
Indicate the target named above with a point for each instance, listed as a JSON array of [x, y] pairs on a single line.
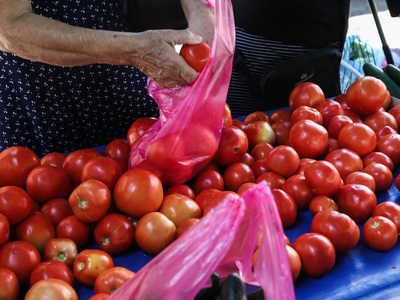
[[181, 37]]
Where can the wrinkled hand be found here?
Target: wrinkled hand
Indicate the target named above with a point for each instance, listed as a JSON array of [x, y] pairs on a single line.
[[155, 55]]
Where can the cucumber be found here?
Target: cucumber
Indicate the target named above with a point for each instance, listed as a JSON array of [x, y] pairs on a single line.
[[372, 70], [393, 72]]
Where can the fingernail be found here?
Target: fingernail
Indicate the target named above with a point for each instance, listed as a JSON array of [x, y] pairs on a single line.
[[197, 38]]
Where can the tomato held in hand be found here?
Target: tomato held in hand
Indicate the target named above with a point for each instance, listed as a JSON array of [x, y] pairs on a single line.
[[380, 233], [196, 55]]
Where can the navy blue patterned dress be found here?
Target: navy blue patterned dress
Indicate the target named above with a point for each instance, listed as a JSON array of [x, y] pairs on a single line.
[[48, 108]]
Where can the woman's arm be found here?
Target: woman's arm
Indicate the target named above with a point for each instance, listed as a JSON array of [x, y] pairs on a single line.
[[38, 38]]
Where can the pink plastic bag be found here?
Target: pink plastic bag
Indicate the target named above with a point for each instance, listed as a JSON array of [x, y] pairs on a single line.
[[223, 241], [185, 137]]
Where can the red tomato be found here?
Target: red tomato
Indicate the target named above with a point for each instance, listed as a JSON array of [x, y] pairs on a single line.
[[114, 233], [342, 100], [55, 159], [361, 178], [308, 139], [390, 210], [380, 233], [321, 203], [286, 207], [380, 119], [345, 161], [4, 230], [282, 131], [260, 167], [390, 145], [338, 227], [378, 157], [238, 123], [138, 128], [61, 249], [382, 175], [237, 174], [323, 178], [294, 262], [75, 161], [283, 160], [357, 137], [9, 285], [306, 93], [111, 279], [385, 130], [316, 252], [395, 112], [36, 229], [353, 116], [216, 199], [183, 189], [227, 116], [154, 232], [203, 197], [138, 192], [366, 95], [89, 264], [357, 201], [47, 182], [15, 204], [247, 159], [261, 151], [118, 149], [259, 132], [272, 179], [16, 163], [51, 288], [56, 209], [303, 164], [90, 200], [336, 123], [304, 112], [257, 116], [245, 186], [99, 296], [328, 110], [233, 144], [73, 228], [298, 188], [104, 169], [52, 269], [185, 225], [20, 257], [333, 144], [196, 55], [281, 115], [179, 208]]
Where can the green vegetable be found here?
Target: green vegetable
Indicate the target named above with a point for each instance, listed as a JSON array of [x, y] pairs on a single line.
[[372, 70], [393, 72]]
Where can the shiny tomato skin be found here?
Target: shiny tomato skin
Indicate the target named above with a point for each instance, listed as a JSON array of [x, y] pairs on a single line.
[[366, 95], [56, 209], [118, 149], [114, 233], [380, 233], [203, 197], [390, 210], [286, 207], [259, 167], [357, 201], [52, 269], [303, 164], [51, 288], [259, 132], [346, 161], [298, 188], [380, 119], [378, 157], [73, 228], [321, 203], [47, 182], [75, 161], [15, 252], [9, 285], [272, 179], [233, 144], [89, 264], [363, 178], [316, 252], [336, 123], [282, 131], [216, 199], [55, 159], [16, 163], [90, 200], [61, 249], [390, 145], [323, 178], [111, 279], [237, 174], [328, 110], [138, 128], [227, 115], [308, 139], [283, 160], [4, 230], [208, 179], [102, 168], [357, 137], [196, 55], [382, 175], [338, 227], [257, 116], [294, 262], [303, 112], [385, 130], [247, 159], [183, 189], [245, 186], [138, 192], [179, 208], [306, 93], [154, 232], [281, 115], [185, 226], [36, 229]]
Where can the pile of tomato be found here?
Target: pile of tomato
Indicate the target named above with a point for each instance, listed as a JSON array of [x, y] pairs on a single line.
[[326, 156]]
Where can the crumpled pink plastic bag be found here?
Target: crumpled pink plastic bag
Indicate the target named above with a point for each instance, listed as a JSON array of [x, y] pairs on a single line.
[[223, 241], [185, 137]]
